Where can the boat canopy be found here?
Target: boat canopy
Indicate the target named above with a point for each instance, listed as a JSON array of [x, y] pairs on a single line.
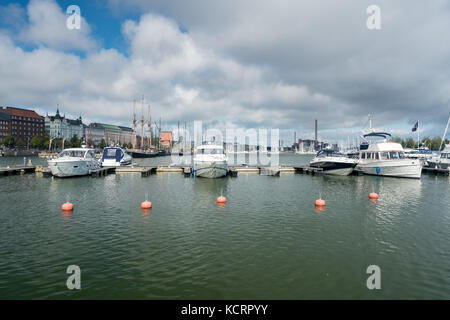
[[384, 135], [112, 153]]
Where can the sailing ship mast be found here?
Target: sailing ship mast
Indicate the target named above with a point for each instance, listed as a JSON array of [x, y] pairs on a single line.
[[142, 123], [134, 123], [149, 125]]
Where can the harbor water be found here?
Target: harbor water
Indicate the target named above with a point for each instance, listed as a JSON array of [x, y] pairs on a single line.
[[268, 242]]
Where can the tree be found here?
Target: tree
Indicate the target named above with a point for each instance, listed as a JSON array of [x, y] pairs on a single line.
[[102, 144], [9, 141], [397, 140], [45, 140], [20, 144], [435, 143], [35, 142], [75, 142], [410, 143]]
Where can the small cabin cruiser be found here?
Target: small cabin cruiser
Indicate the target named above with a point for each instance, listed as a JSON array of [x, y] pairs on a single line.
[[441, 162], [74, 162], [210, 161], [115, 157], [386, 158], [333, 162]]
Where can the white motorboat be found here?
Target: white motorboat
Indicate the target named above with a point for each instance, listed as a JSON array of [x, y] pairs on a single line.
[[74, 162], [333, 162], [386, 158], [115, 157], [210, 161], [441, 162]]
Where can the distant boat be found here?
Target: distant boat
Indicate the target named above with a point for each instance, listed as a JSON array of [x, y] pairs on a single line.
[[333, 162], [441, 162], [115, 157], [135, 153], [210, 161], [74, 162]]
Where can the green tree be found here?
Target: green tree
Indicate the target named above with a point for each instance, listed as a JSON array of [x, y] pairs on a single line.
[[75, 142], [426, 142], [398, 140], [45, 140], [410, 143], [102, 144], [20, 144], [446, 141], [435, 143], [9, 141], [35, 142]]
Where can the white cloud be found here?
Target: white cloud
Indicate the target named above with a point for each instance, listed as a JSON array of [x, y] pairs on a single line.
[[47, 27]]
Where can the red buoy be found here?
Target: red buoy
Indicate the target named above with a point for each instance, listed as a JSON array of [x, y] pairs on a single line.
[[67, 206], [320, 203], [221, 199], [146, 205], [373, 196]]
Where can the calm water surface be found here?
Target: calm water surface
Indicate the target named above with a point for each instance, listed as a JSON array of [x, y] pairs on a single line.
[[268, 242]]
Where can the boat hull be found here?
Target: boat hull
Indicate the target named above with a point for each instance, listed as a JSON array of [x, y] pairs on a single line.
[[72, 168], [210, 169], [334, 168], [395, 168]]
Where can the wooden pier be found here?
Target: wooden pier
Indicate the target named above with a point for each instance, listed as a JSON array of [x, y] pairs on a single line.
[[17, 170]]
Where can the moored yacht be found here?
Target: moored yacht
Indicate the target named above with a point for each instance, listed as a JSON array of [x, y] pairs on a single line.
[[386, 158], [210, 161], [74, 162], [115, 157], [441, 162], [333, 162]]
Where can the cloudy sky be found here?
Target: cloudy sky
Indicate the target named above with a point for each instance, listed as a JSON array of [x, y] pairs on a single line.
[[250, 64]]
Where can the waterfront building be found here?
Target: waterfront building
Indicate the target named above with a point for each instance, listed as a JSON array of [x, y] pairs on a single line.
[[24, 124], [58, 126], [111, 134], [166, 139], [5, 125]]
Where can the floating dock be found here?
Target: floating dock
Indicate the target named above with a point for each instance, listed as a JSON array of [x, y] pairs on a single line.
[[17, 170]]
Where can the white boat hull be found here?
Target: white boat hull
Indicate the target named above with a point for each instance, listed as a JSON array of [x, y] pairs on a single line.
[[67, 168], [394, 168], [210, 169]]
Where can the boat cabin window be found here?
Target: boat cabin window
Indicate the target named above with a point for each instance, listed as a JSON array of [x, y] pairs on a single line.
[[89, 154], [72, 153], [377, 156], [401, 155], [384, 155], [363, 155], [393, 155], [212, 151], [111, 152], [445, 155]]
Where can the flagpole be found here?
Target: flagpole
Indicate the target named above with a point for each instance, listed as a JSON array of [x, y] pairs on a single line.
[[418, 134]]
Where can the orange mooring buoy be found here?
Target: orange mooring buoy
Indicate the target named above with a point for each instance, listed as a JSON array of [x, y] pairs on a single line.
[[67, 206], [221, 199], [320, 203], [146, 205], [373, 196]]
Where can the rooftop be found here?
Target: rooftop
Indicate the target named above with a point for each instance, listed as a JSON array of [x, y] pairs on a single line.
[[18, 112]]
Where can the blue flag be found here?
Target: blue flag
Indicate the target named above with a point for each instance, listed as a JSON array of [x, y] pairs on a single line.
[[415, 126]]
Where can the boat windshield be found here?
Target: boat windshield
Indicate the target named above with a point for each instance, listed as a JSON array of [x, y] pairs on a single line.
[[72, 153], [329, 153], [211, 151]]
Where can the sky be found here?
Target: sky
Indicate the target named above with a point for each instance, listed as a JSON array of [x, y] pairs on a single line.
[[233, 64]]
